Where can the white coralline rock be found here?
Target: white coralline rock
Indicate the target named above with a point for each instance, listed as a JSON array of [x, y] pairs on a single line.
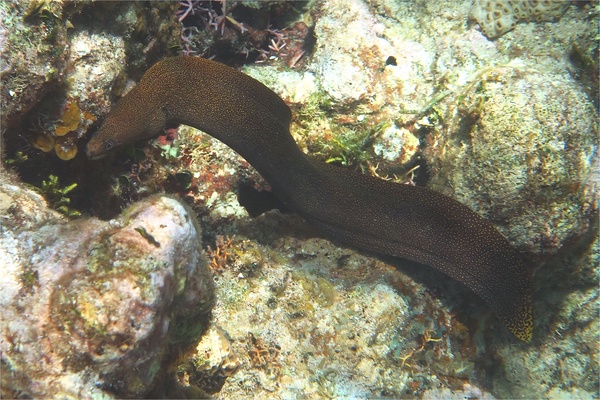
[[361, 58], [96, 64], [93, 308], [468, 392], [336, 61]]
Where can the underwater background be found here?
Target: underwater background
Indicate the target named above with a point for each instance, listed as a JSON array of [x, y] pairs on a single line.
[[168, 269]]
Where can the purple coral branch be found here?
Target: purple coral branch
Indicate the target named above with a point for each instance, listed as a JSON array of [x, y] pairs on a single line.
[[189, 8]]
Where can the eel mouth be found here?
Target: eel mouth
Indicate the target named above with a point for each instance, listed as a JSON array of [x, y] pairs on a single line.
[[94, 157]]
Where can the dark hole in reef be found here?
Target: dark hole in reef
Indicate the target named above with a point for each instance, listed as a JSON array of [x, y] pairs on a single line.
[[391, 60], [421, 174], [310, 40], [586, 70], [257, 202]]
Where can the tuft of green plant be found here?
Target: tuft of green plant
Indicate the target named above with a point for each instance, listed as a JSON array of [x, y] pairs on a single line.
[[29, 278], [346, 148], [19, 159], [344, 144], [351, 148], [57, 197]]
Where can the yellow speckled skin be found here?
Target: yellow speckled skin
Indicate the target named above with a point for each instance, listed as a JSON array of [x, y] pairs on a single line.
[[398, 220]]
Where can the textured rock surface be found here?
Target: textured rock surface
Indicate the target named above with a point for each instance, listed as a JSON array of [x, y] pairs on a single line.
[[340, 71], [497, 17], [351, 63], [467, 392], [526, 138], [306, 319], [564, 361], [33, 43], [55, 53], [92, 308]]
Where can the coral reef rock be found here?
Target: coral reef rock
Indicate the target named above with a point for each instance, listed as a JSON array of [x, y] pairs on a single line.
[[58, 53], [349, 64], [497, 17], [526, 138], [93, 308], [32, 44], [307, 319]]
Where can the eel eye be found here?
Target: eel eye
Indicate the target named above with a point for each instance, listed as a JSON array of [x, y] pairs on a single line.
[[108, 144]]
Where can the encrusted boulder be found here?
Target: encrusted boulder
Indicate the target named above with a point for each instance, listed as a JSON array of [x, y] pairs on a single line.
[[93, 308], [527, 148]]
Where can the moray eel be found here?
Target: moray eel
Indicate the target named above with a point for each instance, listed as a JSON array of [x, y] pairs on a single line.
[[362, 211]]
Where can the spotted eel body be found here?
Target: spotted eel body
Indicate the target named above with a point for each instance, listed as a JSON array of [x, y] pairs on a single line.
[[362, 211]]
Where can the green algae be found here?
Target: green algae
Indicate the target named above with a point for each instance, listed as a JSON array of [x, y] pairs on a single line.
[[58, 197], [29, 278], [317, 289], [232, 291]]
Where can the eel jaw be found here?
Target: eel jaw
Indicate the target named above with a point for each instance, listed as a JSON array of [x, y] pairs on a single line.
[[92, 157]]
